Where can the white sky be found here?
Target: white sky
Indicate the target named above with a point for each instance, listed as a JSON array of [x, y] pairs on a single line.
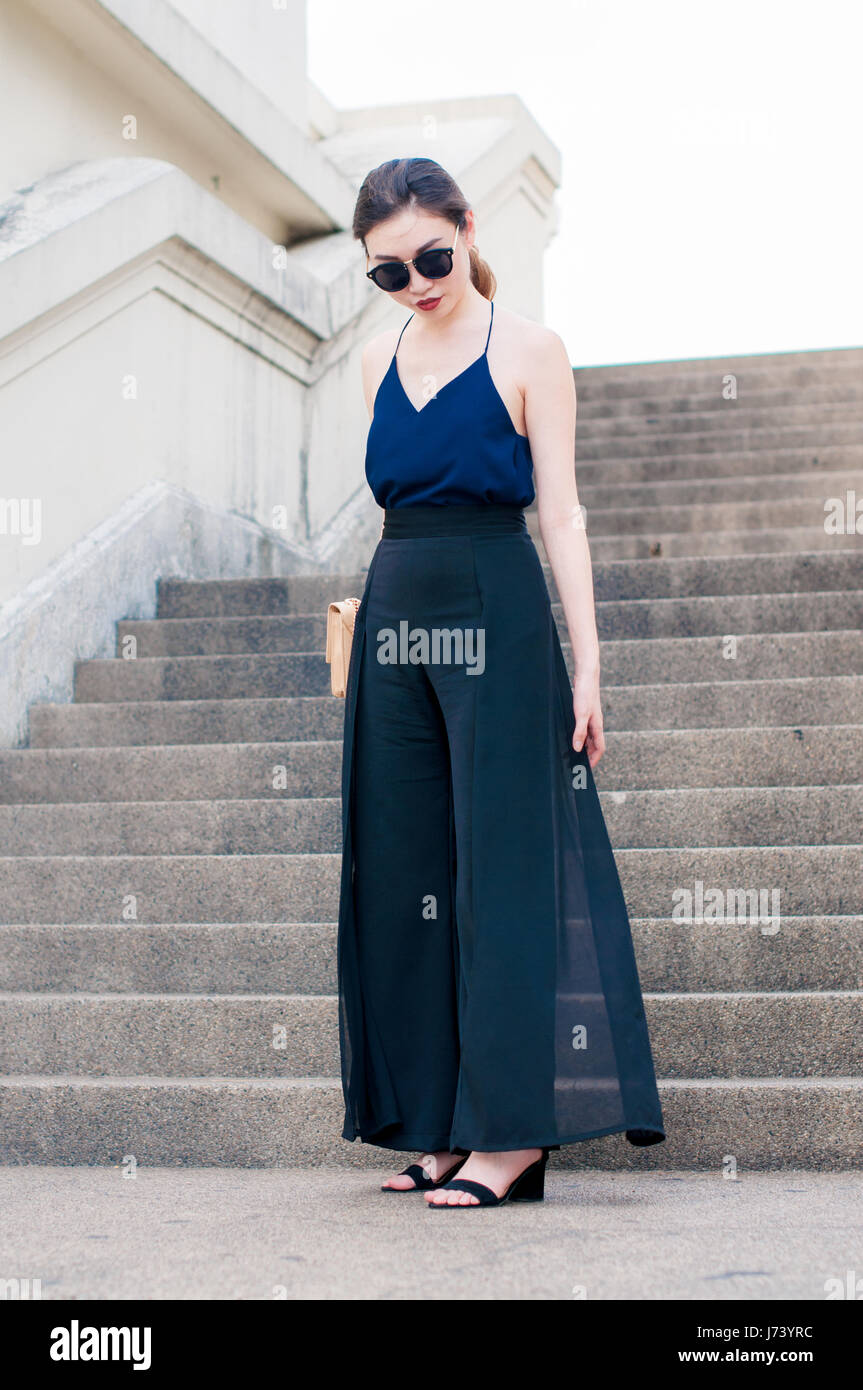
[[710, 200]]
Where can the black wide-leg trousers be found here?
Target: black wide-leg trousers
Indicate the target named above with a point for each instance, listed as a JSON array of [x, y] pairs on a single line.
[[488, 992]]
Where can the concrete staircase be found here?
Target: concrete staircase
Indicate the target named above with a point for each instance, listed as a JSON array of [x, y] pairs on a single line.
[[169, 842]]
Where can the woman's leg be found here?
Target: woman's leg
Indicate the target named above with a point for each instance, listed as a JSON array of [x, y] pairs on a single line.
[[403, 836]]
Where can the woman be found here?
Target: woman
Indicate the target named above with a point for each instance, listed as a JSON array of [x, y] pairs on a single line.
[[490, 1007]]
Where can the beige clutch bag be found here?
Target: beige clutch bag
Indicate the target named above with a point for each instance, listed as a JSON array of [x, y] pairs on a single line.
[[340, 632]]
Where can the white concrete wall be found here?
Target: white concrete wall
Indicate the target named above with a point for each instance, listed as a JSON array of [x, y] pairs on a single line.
[[76, 86], [191, 360], [151, 392], [265, 39]]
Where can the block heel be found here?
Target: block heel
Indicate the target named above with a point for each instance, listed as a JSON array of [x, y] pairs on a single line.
[[529, 1186]]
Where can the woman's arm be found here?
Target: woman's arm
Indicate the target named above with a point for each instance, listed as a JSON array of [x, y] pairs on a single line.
[[550, 407], [373, 359]]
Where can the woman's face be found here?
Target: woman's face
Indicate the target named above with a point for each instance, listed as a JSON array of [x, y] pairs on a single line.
[[402, 237]]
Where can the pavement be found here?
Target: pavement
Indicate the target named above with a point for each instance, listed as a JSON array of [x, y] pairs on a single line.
[[327, 1233]]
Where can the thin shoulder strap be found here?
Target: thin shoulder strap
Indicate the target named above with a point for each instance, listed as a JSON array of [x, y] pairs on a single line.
[[404, 326], [485, 350]]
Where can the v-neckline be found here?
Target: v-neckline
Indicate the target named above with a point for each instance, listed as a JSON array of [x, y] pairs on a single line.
[[419, 410], [394, 367]]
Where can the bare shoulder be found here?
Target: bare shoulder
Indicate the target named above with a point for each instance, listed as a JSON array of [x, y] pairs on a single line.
[[539, 362], [533, 346], [380, 346], [375, 358]]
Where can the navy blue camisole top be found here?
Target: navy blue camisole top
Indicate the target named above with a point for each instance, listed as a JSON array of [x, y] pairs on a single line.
[[461, 447]]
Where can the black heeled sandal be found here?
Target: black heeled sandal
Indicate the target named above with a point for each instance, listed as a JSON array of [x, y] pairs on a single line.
[[527, 1186], [422, 1181]]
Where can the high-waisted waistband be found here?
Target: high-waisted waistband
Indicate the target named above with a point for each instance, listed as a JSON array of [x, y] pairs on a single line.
[[484, 518]]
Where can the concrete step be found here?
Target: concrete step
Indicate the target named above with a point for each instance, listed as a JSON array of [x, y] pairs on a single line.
[[246, 677], [743, 439], [269, 675], [192, 772], [729, 756], [694, 617], [809, 879], [223, 636], [694, 467], [724, 816], [227, 1122], [781, 512], [301, 719], [692, 1035], [807, 953], [672, 545], [796, 368], [178, 958], [750, 656], [722, 576], [763, 487], [296, 825], [723, 416], [635, 819], [721, 755], [691, 577], [753, 371], [726, 704], [714, 616], [213, 723], [844, 390], [253, 598], [806, 700]]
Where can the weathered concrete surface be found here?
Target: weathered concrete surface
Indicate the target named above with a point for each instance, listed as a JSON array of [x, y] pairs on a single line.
[[330, 1234]]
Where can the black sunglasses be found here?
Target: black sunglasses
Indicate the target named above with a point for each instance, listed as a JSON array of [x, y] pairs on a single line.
[[393, 276]]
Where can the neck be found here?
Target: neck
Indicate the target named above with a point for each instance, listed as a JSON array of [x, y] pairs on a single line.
[[471, 308]]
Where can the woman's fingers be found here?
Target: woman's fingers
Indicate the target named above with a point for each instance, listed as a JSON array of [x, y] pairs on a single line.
[[582, 721], [595, 743], [588, 730]]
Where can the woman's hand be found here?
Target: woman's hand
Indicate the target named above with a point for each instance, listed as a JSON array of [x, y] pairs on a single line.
[[588, 718]]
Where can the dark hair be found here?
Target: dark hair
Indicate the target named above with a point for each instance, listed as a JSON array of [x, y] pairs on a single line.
[[422, 183]]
